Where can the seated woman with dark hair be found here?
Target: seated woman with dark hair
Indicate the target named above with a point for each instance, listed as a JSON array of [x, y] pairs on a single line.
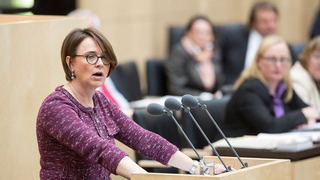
[[194, 65], [305, 74], [264, 100]]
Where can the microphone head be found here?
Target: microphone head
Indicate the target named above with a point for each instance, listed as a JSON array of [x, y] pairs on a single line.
[[173, 104], [155, 109], [189, 101]]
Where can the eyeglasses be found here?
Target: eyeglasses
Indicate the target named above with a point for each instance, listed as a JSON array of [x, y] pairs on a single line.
[[93, 59], [274, 60], [316, 57]]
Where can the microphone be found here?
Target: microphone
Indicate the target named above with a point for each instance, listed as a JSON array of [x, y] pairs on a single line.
[[175, 105], [157, 109], [192, 102]]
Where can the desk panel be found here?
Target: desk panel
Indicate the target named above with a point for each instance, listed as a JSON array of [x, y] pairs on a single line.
[[304, 164], [306, 169]]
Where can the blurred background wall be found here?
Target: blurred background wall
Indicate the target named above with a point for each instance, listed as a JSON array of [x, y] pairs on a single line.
[[30, 69], [139, 29]]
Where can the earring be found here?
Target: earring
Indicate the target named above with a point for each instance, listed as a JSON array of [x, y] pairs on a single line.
[[72, 76]]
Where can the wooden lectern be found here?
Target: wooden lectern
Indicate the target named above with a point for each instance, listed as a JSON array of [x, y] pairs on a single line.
[[259, 168]]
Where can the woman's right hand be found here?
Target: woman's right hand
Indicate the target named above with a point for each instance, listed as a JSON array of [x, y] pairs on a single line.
[[127, 166], [205, 55], [311, 114]]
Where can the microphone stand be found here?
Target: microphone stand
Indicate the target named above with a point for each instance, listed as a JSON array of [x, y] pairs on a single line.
[[170, 113], [204, 107], [187, 110]]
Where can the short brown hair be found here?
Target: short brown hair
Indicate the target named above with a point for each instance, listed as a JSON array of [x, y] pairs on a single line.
[[261, 6], [304, 57], [74, 39], [196, 18]]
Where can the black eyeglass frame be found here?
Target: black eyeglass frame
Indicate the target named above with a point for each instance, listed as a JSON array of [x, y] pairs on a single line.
[[103, 59]]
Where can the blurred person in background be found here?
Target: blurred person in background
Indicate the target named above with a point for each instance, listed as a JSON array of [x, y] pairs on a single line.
[[240, 43], [305, 74], [264, 100], [194, 65]]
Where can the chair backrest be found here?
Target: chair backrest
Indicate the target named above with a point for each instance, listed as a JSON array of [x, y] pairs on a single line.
[[156, 77], [126, 79], [175, 34], [162, 125], [216, 108], [295, 50]]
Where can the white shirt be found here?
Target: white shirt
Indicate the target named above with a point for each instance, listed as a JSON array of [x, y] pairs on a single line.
[[254, 42]]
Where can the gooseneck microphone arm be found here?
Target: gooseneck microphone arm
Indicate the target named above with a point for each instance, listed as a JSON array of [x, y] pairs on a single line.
[[228, 169], [175, 105], [192, 102], [157, 109]]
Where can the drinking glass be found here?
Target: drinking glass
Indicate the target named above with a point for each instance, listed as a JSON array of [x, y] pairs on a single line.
[[207, 167]]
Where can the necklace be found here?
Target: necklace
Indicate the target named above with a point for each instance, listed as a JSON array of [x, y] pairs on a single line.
[[74, 94], [76, 97]]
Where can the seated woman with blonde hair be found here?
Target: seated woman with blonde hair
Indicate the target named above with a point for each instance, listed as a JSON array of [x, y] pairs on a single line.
[[265, 100], [305, 74]]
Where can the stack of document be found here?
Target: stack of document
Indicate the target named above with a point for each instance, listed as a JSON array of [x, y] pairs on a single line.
[[283, 141], [289, 141], [251, 142]]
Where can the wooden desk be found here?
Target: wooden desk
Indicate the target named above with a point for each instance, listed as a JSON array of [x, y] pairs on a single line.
[[304, 164], [261, 168]]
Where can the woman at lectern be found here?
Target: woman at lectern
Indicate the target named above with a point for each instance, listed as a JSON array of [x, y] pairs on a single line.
[[77, 125], [264, 100]]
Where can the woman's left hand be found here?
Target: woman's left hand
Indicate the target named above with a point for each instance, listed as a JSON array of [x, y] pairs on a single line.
[[219, 168]]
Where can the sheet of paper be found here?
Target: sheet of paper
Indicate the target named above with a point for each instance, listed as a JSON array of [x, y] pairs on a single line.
[[248, 142], [291, 141], [313, 135]]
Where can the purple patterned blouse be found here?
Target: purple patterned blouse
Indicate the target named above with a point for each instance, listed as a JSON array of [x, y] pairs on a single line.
[[77, 142]]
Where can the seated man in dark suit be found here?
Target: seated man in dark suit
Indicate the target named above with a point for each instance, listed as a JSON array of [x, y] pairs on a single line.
[[239, 43], [315, 31]]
